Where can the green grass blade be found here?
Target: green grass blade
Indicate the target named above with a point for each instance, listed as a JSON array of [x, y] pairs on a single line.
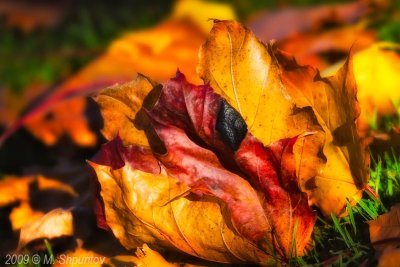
[[351, 216], [339, 228]]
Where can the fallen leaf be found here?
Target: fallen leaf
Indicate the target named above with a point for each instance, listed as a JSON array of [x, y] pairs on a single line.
[[24, 214], [151, 208], [187, 106], [389, 258], [13, 189], [334, 102], [251, 224], [374, 67], [322, 48], [278, 99], [384, 232], [297, 20], [56, 223], [170, 45], [67, 118], [27, 193], [119, 107]]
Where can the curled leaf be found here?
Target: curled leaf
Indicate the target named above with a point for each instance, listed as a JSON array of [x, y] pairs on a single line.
[[120, 107], [142, 207]]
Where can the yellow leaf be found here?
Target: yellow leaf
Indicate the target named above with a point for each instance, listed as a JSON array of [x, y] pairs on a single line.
[[145, 208], [25, 190], [279, 99], [56, 223], [335, 105], [120, 106], [376, 67]]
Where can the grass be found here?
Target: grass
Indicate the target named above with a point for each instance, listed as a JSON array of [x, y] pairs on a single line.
[[49, 55], [45, 257], [345, 241]]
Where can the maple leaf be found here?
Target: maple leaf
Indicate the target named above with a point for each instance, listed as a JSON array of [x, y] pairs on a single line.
[[279, 99]]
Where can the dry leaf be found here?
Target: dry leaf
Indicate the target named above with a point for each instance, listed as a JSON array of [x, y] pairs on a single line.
[[279, 99], [67, 118], [385, 230], [376, 66], [212, 159], [56, 223], [156, 52], [119, 107], [322, 48], [291, 21], [389, 258], [149, 207], [29, 192], [187, 107], [250, 226], [334, 102]]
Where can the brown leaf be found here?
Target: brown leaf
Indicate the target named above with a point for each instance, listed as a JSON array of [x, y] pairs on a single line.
[[385, 230], [389, 258], [279, 99], [322, 48], [120, 106], [292, 20], [375, 66], [266, 217], [57, 223], [334, 101], [153, 208]]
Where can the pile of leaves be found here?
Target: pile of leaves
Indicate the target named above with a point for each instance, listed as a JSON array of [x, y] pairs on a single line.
[[233, 170]]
